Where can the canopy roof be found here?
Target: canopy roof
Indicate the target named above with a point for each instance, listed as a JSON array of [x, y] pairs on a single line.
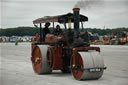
[[59, 18]]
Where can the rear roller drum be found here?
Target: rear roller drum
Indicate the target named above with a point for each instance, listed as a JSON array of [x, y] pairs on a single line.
[[39, 60]]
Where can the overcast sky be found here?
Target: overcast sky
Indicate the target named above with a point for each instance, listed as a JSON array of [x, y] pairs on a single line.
[[108, 13]]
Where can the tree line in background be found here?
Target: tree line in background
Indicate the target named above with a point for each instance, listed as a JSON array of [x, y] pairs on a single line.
[[30, 31]]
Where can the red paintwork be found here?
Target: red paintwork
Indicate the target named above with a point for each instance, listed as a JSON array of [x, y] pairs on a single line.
[[52, 38], [77, 73], [37, 60], [57, 57]]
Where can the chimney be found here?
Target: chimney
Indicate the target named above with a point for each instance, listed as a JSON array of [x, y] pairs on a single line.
[[76, 22]]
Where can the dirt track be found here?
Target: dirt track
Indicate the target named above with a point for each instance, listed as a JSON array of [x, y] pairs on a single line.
[[16, 68]]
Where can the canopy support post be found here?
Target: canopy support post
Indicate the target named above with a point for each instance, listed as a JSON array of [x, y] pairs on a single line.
[[53, 28], [41, 36], [65, 26]]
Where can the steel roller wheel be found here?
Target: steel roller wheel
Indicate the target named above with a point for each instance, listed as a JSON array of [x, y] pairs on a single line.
[[85, 61], [39, 60]]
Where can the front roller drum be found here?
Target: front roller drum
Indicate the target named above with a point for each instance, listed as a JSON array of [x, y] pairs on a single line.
[[82, 64], [39, 60]]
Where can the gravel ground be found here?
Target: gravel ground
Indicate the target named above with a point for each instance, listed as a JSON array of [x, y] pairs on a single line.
[[16, 67]]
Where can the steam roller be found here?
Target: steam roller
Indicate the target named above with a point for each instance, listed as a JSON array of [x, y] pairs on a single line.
[[69, 51]]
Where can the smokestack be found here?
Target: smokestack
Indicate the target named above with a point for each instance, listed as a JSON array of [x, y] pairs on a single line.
[[76, 22]]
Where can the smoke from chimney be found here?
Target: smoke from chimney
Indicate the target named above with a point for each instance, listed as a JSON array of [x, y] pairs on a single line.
[[86, 4]]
